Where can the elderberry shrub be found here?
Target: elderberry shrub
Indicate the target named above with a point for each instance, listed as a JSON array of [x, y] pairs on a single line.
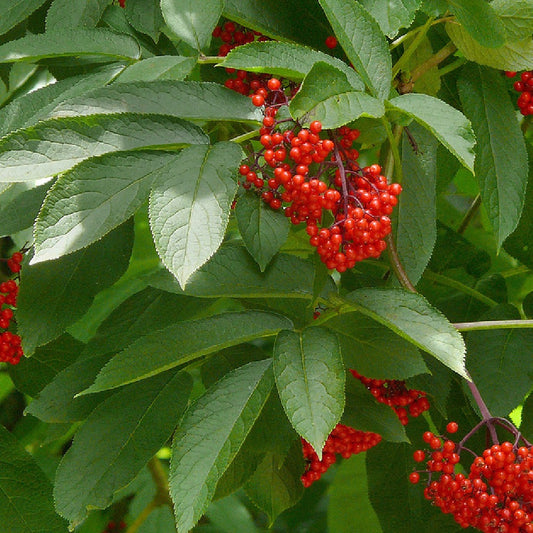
[[308, 171]]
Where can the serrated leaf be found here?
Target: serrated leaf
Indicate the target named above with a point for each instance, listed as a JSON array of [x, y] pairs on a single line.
[[276, 485], [185, 99], [145, 16], [349, 508], [192, 21], [364, 43], [190, 206], [310, 378], [55, 145], [56, 403], [117, 440], [108, 190], [480, 21], [416, 235], [393, 14], [364, 413], [97, 44], [374, 350], [447, 124], [526, 427], [14, 11], [501, 166], [286, 60], [210, 435], [413, 318], [67, 14], [263, 229], [500, 362], [429, 82], [26, 503], [20, 204], [54, 295], [30, 108], [232, 272], [142, 313], [32, 374], [516, 16], [158, 68], [183, 342], [514, 55], [326, 95]]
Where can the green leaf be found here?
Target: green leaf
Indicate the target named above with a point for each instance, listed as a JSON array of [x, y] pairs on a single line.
[[500, 362], [501, 166], [32, 374], [190, 206], [14, 11], [364, 43], [210, 435], [286, 60], [145, 16], [26, 504], [430, 81], [364, 413], [183, 342], [186, 99], [232, 272], [349, 508], [434, 8], [97, 44], [374, 350], [310, 380], [526, 427], [55, 145], [56, 403], [393, 14], [413, 318], [142, 313], [192, 21], [230, 515], [108, 190], [275, 485], [158, 68], [54, 295], [516, 16], [326, 95], [67, 14], [416, 235], [514, 55], [480, 21], [263, 229], [120, 436], [447, 124], [30, 108], [20, 204]]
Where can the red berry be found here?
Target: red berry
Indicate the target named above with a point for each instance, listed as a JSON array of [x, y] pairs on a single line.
[[414, 477], [258, 100], [274, 84], [331, 42]]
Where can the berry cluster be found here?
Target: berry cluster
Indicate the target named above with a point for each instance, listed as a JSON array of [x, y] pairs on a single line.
[[10, 349], [122, 3], [309, 174], [343, 440], [524, 86], [395, 394], [233, 35], [497, 494]]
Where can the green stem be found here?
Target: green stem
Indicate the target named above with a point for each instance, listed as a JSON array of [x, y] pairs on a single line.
[[493, 324], [449, 282], [397, 266], [209, 60], [472, 210], [397, 42], [412, 47], [433, 61], [160, 479], [145, 513], [452, 66], [393, 161], [245, 136]]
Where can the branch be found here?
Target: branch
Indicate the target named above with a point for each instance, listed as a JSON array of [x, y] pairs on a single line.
[[433, 61], [472, 210], [493, 324]]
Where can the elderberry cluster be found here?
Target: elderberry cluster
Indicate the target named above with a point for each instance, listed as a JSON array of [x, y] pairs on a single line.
[[307, 173], [524, 86], [344, 441], [496, 495], [10, 349], [233, 35], [395, 394]]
